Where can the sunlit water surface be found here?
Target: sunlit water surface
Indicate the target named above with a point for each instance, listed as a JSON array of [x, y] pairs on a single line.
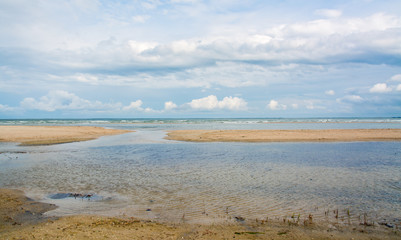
[[142, 175]]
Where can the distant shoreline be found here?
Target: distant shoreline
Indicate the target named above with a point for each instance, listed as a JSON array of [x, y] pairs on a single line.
[[324, 135], [49, 135]]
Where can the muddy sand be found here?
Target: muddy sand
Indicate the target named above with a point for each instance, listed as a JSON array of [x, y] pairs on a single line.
[[22, 218]]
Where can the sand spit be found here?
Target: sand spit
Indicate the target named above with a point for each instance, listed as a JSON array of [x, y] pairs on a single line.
[[329, 135], [21, 218], [47, 135]]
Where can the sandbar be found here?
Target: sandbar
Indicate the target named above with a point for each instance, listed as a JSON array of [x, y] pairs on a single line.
[[47, 135], [325, 135], [22, 218]]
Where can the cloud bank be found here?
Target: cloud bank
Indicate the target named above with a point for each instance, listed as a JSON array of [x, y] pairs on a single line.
[[63, 100], [212, 103], [152, 57]]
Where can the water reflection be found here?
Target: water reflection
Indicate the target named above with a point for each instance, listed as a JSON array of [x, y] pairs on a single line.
[[167, 180]]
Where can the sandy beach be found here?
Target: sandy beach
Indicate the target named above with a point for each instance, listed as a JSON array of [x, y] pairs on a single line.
[[330, 135], [22, 218], [46, 135]]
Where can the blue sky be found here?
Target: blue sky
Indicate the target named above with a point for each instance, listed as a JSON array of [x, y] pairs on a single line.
[[193, 58]]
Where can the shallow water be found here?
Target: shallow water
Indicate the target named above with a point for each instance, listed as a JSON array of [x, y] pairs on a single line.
[[141, 174]]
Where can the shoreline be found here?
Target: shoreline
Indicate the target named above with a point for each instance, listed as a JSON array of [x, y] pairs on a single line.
[[324, 135], [49, 135], [21, 217]]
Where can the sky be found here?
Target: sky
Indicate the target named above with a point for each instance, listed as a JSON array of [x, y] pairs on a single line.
[[200, 58]]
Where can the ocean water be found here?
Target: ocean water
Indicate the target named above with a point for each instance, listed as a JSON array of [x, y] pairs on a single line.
[[141, 174]]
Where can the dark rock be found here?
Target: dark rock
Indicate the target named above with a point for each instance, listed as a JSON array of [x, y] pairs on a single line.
[[239, 218]]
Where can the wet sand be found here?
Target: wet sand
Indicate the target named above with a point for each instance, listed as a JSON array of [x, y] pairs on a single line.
[[330, 135], [22, 218], [47, 135]]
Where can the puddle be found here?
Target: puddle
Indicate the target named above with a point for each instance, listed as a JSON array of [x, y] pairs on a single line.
[[78, 196]]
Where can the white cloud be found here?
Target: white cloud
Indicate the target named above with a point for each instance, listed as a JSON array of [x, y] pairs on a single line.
[[208, 103], [212, 103], [233, 103], [226, 74], [152, 4], [330, 92], [5, 108], [329, 13], [274, 105], [150, 110], [86, 78], [341, 27], [137, 105], [396, 78], [140, 47], [63, 100], [380, 88], [183, 46], [350, 99], [398, 87], [321, 40], [140, 18], [293, 103], [169, 106]]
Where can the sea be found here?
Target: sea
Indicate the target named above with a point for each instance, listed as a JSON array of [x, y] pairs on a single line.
[[141, 174]]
